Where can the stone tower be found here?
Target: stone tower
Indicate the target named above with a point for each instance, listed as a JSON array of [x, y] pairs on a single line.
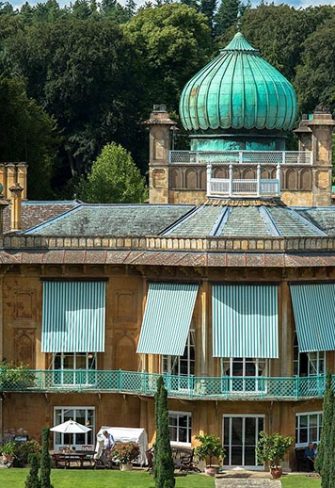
[[238, 111]]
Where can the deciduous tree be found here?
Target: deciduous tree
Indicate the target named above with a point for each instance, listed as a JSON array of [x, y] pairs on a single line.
[[114, 178]]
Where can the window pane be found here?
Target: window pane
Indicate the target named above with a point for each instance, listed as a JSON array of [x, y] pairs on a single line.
[[303, 435], [81, 361], [226, 430], [303, 421], [68, 361]]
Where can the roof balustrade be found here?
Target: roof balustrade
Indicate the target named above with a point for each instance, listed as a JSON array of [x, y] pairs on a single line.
[[263, 165]]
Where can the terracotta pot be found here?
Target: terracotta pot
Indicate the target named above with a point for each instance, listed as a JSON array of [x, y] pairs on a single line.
[[126, 467], [276, 472], [211, 470], [7, 458]]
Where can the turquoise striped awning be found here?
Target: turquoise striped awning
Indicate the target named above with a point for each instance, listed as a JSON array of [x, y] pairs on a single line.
[[73, 316], [245, 321], [314, 316], [167, 318]]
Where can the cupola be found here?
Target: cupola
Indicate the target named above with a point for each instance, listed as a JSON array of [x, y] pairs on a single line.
[[238, 101]]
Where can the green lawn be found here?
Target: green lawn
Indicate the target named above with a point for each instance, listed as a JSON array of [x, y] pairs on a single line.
[[299, 482], [14, 478]]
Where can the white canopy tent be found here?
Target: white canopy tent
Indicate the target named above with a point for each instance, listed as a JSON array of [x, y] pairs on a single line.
[[124, 434]]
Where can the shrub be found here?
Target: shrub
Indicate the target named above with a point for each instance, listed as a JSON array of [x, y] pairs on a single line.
[[15, 377], [23, 450], [210, 447], [125, 452], [271, 448]]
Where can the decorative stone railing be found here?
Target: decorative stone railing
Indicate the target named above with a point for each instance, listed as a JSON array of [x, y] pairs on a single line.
[[190, 387], [210, 244], [241, 157]]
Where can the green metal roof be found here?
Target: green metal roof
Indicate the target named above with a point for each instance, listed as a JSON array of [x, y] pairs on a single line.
[[239, 90]]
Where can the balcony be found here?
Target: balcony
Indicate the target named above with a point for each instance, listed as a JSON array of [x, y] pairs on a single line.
[[242, 173], [242, 157], [184, 387]]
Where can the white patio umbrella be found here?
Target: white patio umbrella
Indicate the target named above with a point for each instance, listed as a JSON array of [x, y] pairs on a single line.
[[70, 427]]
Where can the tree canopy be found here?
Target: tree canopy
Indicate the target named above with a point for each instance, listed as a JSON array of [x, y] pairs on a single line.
[[93, 70], [114, 178]]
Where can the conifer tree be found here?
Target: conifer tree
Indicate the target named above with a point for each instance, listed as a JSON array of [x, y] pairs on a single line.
[[32, 480], [227, 15], [325, 457], [164, 467], [45, 468]]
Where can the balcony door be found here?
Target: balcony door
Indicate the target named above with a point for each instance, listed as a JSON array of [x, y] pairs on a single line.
[[180, 369], [240, 436], [243, 375]]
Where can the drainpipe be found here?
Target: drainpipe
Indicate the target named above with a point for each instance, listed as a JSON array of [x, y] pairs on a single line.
[[3, 205]]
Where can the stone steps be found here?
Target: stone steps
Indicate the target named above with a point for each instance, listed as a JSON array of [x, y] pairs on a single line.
[[246, 483]]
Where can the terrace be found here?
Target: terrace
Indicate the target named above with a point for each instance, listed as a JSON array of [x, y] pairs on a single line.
[[183, 387], [242, 173]]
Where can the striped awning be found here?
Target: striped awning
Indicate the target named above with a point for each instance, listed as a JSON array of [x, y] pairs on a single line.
[[167, 318], [314, 316], [73, 316], [245, 321]]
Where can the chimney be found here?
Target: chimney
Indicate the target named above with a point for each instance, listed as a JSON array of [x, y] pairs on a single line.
[[10, 179], [22, 178], [3, 205], [160, 138], [15, 217]]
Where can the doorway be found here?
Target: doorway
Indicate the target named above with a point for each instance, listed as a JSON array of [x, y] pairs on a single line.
[[240, 436]]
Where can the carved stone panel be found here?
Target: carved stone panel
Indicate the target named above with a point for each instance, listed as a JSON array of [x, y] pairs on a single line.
[[24, 304], [159, 178], [125, 305], [24, 347], [126, 357]]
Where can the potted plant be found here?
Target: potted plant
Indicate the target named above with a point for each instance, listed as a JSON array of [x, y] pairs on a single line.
[[8, 452], [210, 447], [125, 453], [271, 449]]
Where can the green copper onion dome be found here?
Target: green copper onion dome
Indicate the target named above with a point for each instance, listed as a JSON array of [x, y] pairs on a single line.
[[238, 90]]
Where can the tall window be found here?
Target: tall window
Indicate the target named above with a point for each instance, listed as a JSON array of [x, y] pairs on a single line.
[[248, 372], [181, 368], [82, 415], [74, 368], [308, 428], [180, 427], [310, 363]]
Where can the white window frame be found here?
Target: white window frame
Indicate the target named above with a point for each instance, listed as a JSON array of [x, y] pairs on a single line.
[[319, 414], [171, 365], [177, 414], [243, 417], [258, 382], [74, 376], [57, 446], [320, 359]]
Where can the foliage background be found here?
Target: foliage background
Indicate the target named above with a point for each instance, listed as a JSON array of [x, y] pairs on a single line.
[[76, 78]]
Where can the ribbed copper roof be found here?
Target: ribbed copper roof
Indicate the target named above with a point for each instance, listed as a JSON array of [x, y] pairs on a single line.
[[240, 90]]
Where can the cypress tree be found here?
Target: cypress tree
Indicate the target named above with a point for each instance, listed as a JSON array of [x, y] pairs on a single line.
[[160, 382], [32, 480], [324, 460], [45, 468], [164, 467]]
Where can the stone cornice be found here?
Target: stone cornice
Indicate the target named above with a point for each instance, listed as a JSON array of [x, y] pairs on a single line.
[[171, 244]]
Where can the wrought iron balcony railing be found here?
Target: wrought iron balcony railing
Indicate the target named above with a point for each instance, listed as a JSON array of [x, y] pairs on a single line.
[[141, 383], [241, 157]]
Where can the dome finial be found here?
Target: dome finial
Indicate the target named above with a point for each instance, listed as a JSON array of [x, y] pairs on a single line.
[[238, 24]]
